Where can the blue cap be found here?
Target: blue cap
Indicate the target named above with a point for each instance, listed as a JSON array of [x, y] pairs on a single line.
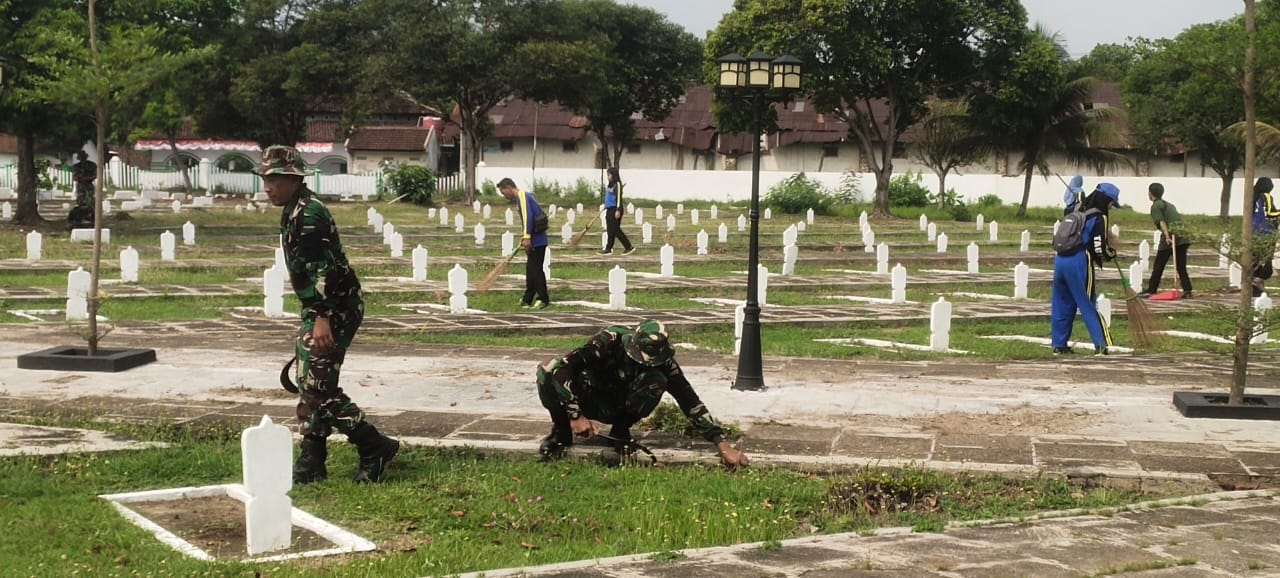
[[1111, 191]]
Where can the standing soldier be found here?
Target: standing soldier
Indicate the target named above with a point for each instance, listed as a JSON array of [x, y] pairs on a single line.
[[84, 173], [618, 378], [332, 309]]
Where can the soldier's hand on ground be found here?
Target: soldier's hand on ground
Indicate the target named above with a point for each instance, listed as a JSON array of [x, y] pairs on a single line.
[[730, 457], [583, 427], [321, 337]]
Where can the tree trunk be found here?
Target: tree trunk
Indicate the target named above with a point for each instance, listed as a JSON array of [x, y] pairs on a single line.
[[28, 212], [942, 188], [1224, 200], [1244, 323], [182, 166], [468, 163], [883, 176], [100, 119], [1026, 191]]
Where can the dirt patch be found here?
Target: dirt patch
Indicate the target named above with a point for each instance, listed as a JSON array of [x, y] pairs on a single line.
[[255, 392], [216, 525], [1011, 421]]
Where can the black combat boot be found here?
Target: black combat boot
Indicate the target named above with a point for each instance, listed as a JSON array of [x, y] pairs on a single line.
[[621, 435], [310, 465], [375, 451], [557, 442]]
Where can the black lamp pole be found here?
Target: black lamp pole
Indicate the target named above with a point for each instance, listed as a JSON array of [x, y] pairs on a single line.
[[755, 76]]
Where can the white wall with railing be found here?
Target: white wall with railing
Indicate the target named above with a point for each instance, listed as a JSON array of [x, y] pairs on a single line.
[[1192, 195]]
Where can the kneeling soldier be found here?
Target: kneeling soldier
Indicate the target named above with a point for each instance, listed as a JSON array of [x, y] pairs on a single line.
[[618, 378]]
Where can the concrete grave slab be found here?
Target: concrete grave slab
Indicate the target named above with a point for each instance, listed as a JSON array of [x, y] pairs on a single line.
[[889, 447], [21, 439]]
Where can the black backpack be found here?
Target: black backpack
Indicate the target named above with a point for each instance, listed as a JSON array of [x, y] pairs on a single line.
[[1069, 238]]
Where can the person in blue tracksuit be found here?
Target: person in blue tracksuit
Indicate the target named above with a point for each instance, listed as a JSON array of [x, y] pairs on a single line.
[[1074, 275], [1266, 213], [533, 241], [1073, 195]]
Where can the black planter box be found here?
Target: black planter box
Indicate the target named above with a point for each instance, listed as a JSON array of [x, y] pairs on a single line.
[[1214, 405], [76, 358]]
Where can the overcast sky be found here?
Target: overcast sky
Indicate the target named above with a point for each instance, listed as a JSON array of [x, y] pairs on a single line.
[[1081, 23]]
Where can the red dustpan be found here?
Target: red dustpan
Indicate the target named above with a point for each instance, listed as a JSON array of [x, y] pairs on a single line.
[[1171, 295]]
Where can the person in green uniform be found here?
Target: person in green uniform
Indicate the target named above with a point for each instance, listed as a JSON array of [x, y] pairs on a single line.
[[332, 309], [618, 377]]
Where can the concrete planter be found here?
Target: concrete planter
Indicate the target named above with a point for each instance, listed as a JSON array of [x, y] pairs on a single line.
[[76, 358], [1214, 405]]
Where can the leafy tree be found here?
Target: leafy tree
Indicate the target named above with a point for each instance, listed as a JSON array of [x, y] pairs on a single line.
[[874, 63], [1181, 93], [120, 63], [470, 77], [644, 64], [948, 140], [24, 48], [1037, 110], [1244, 323], [1108, 62]]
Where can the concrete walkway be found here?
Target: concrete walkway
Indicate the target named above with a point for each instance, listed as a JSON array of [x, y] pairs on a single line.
[[1100, 421]]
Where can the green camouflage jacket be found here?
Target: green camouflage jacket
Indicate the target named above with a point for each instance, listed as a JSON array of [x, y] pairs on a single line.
[[322, 278], [634, 390]]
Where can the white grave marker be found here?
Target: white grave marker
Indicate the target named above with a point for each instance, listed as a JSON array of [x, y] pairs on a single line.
[[546, 264], [808, 216], [397, 245], [932, 228], [739, 316], [1104, 309], [742, 223], [419, 264], [942, 243], [869, 241], [475, 206], [979, 221], [618, 289], [510, 217], [34, 241], [671, 222], [638, 215], [801, 226], [273, 291], [702, 241], [387, 231], [693, 217], [78, 295], [1136, 273], [444, 216], [188, 233], [1261, 304], [679, 208], [715, 212], [722, 233], [479, 233], [882, 259], [266, 452], [762, 285], [768, 213], [570, 216], [789, 255], [566, 233], [994, 229], [899, 283], [459, 224], [667, 257], [176, 206], [457, 290], [924, 224], [167, 246], [486, 212], [129, 265], [940, 326], [1025, 245], [646, 233], [508, 243], [377, 224], [1115, 230], [657, 212], [1234, 274], [973, 257], [1021, 277], [1222, 253], [1144, 253], [6, 211]]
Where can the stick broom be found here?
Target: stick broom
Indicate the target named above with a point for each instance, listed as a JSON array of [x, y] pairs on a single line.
[[578, 237], [492, 277], [1144, 330]]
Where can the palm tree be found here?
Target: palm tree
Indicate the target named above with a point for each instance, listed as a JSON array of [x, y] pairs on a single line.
[[1041, 112]]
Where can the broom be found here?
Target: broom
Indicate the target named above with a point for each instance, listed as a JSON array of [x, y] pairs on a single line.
[[492, 277], [578, 238], [1144, 330]]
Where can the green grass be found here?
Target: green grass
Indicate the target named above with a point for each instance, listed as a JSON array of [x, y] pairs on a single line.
[[448, 511]]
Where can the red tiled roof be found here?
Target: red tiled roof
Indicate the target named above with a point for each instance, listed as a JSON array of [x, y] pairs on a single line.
[[389, 138]]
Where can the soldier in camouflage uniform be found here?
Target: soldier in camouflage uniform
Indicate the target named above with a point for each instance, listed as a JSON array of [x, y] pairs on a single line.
[[618, 378], [83, 173], [332, 309]]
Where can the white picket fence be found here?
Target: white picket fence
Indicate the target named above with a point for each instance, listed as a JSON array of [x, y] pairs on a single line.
[[209, 178]]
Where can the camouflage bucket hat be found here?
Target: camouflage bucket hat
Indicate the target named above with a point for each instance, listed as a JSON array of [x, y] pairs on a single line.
[[282, 160], [648, 344]]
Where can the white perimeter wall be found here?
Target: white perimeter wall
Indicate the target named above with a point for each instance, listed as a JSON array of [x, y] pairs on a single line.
[[1192, 195]]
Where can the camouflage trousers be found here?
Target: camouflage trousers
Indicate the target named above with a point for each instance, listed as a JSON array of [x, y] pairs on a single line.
[[84, 194], [322, 405], [598, 400]]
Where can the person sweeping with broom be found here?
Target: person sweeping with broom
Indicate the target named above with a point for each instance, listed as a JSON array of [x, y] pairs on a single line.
[[533, 241], [1172, 244], [1082, 245]]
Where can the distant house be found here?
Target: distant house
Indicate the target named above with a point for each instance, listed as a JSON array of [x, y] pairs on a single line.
[[372, 148]]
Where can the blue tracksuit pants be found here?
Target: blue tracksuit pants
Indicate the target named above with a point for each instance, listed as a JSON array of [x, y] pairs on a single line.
[[1073, 289]]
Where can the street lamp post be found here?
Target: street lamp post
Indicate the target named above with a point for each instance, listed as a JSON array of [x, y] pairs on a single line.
[[763, 80]]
